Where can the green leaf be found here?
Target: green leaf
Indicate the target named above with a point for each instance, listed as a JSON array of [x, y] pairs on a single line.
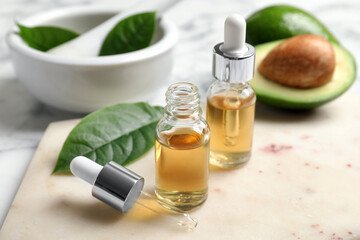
[[130, 34], [120, 133], [44, 38]]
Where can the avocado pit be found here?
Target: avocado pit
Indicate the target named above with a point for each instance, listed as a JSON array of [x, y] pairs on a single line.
[[303, 61]]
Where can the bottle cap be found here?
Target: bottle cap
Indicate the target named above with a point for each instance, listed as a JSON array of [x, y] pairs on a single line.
[[113, 184], [233, 60]]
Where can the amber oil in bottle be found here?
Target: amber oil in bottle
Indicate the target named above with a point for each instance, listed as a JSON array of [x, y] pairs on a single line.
[[182, 149], [231, 120]]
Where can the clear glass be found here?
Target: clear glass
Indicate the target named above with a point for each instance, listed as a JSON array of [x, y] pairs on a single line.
[[182, 149], [172, 214], [230, 115]]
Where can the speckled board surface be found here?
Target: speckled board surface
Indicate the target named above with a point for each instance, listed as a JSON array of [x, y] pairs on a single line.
[[303, 182]]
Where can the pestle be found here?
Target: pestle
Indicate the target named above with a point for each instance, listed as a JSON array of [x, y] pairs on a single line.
[[89, 43]]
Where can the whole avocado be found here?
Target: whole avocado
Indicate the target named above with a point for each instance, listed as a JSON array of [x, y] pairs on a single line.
[[283, 21]]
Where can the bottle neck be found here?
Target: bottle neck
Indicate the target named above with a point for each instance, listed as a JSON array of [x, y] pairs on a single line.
[[183, 102]]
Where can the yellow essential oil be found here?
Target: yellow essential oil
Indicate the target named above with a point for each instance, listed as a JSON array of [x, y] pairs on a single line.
[[182, 164], [231, 121]]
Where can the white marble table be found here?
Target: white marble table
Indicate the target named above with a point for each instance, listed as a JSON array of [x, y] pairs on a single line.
[[23, 119]]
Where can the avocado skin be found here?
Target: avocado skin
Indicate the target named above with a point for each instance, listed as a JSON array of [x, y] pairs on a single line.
[[283, 21], [284, 104], [271, 99]]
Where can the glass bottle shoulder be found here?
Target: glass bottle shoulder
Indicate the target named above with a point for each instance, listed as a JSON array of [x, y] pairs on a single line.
[[233, 95]]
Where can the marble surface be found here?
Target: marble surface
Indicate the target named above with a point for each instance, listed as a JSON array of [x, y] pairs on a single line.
[[23, 119], [298, 185]]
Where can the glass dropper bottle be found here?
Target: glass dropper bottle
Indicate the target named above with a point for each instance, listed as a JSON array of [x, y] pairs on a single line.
[[182, 149], [121, 188], [231, 100]]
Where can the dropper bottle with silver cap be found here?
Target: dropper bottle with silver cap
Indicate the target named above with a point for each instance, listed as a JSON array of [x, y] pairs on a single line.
[[121, 188], [231, 100]]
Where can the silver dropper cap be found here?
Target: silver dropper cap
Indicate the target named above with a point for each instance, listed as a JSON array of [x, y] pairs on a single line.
[[234, 60], [113, 184], [118, 186]]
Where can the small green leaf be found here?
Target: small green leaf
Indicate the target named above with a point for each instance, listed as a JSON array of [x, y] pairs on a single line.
[[44, 38], [120, 133], [130, 34]]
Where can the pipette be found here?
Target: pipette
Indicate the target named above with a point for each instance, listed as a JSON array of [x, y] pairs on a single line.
[[121, 188]]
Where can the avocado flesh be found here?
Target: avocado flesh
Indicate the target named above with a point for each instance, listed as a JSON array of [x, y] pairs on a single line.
[[275, 94], [283, 21]]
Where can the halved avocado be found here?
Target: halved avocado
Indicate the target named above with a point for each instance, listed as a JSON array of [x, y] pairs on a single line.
[[275, 94]]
